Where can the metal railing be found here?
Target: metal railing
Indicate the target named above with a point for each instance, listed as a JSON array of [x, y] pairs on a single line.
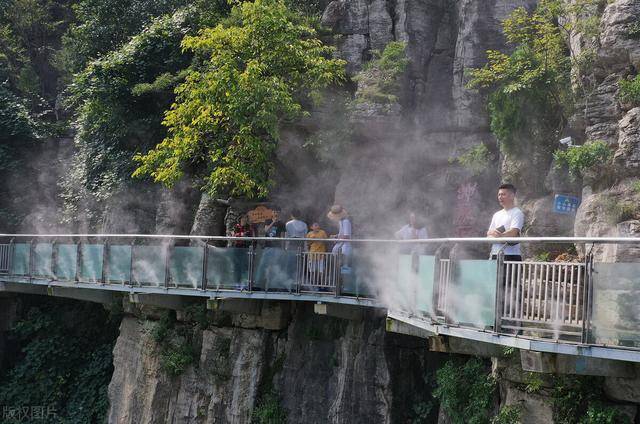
[[318, 271], [5, 258], [546, 297], [532, 299], [165, 265], [444, 277]]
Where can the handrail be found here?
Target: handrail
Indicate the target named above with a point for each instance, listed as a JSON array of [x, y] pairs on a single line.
[[479, 240]]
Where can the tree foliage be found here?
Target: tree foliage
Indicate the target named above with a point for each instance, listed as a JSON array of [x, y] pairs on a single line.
[[531, 88], [465, 391], [63, 363], [581, 158], [30, 33], [119, 101], [629, 90], [252, 73], [379, 81], [103, 26]]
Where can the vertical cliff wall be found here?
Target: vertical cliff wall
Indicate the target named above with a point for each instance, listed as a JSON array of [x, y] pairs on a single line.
[[314, 368]]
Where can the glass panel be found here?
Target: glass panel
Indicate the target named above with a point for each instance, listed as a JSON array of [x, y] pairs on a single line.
[[359, 281], [186, 266], [414, 289], [402, 295], [42, 259], [66, 258], [228, 267], [275, 269], [20, 260], [91, 258], [426, 276], [472, 294], [148, 265], [616, 296], [119, 264]]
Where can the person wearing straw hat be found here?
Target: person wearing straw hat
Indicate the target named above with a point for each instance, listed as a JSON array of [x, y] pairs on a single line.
[[339, 214]]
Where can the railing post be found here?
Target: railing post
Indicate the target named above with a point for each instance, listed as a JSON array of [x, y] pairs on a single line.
[[587, 298], [299, 269], [338, 274], [450, 272], [435, 295], [500, 282], [78, 261], [12, 249], [205, 260], [31, 260], [252, 254], [105, 262], [54, 258], [131, 283], [167, 265]]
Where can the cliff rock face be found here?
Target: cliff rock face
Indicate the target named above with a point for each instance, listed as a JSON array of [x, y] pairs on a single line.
[[611, 210], [320, 369], [397, 163]]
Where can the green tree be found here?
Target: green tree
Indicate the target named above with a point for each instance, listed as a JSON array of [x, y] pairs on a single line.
[[119, 101], [62, 362], [103, 26], [30, 33], [530, 87], [250, 75]]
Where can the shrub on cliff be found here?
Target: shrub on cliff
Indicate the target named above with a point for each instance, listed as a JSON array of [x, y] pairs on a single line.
[[582, 158], [629, 90], [465, 391], [379, 81]]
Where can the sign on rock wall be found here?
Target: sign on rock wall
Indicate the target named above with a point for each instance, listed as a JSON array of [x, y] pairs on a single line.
[[565, 204], [261, 214], [465, 210]]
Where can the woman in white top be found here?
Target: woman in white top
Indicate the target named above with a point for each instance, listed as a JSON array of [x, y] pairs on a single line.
[[339, 214]]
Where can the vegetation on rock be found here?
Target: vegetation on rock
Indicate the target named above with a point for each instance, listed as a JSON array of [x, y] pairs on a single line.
[[534, 86], [582, 158], [577, 399], [251, 73], [530, 87], [630, 90], [475, 159], [63, 363], [176, 344], [466, 391], [379, 81]]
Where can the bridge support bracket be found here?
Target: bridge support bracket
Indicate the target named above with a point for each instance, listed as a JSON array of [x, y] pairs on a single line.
[[396, 326], [160, 300], [544, 362], [349, 312], [238, 306]]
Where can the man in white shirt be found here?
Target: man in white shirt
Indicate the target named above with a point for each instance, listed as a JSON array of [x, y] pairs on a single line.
[[507, 222], [295, 228], [412, 230]]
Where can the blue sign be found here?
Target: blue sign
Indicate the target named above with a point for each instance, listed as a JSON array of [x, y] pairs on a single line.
[[565, 204]]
